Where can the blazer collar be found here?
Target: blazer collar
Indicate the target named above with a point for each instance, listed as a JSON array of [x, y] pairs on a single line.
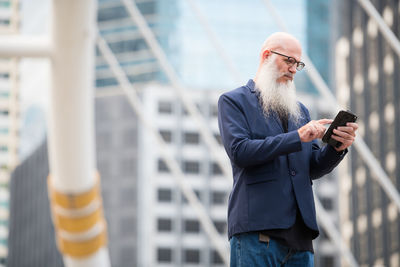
[[251, 85]]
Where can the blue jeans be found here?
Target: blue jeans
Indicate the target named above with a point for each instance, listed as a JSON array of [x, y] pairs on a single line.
[[247, 250]]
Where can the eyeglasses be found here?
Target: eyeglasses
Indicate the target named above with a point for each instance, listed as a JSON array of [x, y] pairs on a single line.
[[291, 61]]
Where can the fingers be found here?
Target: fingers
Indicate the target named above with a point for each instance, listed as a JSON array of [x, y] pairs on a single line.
[[345, 142], [353, 125], [344, 129], [344, 135], [312, 130], [325, 121]]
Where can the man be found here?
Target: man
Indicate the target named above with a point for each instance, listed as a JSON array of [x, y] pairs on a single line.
[[272, 145]]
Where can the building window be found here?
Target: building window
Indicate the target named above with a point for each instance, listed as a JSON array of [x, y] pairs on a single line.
[[4, 21], [106, 82], [216, 169], [4, 94], [363, 244], [218, 198], [376, 196], [322, 235], [4, 75], [378, 242], [164, 195], [216, 258], [191, 167], [214, 110], [220, 225], [127, 253], [166, 135], [127, 166], [191, 138], [164, 225], [164, 107], [147, 8], [198, 194], [127, 196], [191, 256], [394, 235], [327, 261], [327, 203], [162, 166], [104, 168], [218, 138], [112, 13], [192, 226], [136, 44], [164, 255], [129, 137], [127, 226], [362, 200], [104, 140]]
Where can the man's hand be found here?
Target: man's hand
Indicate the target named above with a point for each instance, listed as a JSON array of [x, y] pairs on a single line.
[[313, 130], [345, 134]]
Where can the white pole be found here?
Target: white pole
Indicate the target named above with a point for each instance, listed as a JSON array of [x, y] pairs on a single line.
[[24, 46], [71, 129]]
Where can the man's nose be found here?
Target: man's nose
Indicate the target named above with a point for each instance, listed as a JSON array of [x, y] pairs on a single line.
[[293, 69]]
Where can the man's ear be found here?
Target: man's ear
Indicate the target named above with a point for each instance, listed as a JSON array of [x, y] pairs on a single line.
[[266, 54]]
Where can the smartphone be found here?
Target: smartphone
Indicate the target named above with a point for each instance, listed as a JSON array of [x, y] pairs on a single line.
[[341, 119]]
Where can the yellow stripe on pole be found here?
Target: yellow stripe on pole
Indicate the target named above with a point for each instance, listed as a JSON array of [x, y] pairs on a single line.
[[78, 220], [77, 224], [73, 201], [82, 248]]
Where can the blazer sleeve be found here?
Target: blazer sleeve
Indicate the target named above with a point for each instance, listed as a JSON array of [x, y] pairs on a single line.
[[236, 137]]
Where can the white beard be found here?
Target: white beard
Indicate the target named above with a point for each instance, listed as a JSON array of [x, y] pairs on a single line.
[[274, 96]]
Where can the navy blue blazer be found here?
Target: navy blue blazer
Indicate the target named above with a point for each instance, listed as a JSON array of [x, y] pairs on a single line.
[[272, 170]]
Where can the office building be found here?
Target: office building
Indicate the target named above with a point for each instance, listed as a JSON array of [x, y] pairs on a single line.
[[169, 231], [9, 118], [367, 83], [32, 242]]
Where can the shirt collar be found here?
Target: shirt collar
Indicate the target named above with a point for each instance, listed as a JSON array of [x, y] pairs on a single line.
[[251, 85]]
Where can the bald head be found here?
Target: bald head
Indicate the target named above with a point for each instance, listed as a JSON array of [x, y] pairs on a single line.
[[278, 47], [280, 41]]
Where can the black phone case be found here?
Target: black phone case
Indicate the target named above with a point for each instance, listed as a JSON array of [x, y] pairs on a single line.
[[341, 119]]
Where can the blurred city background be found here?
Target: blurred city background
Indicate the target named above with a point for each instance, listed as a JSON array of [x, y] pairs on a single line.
[[211, 46]]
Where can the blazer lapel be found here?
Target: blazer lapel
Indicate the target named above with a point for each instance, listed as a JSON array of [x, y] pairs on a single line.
[[291, 125], [277, 120]]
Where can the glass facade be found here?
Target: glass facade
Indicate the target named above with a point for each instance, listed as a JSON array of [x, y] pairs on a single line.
[[241, 27]]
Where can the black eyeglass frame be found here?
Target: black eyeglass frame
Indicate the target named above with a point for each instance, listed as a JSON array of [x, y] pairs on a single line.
[[299, 65]]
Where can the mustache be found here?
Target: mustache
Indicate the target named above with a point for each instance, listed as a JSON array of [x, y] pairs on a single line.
[[289, 75]]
